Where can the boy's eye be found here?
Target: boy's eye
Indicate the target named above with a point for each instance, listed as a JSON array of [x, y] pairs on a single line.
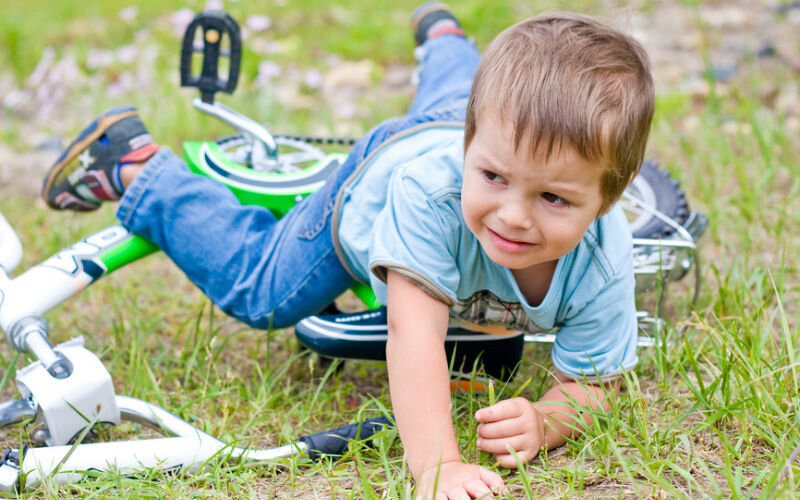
[[555, 199], [493, 177]]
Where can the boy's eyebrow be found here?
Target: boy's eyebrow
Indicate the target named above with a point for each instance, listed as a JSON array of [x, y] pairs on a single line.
[[562, 187], [492, 164], [487, 161], [566, 189]]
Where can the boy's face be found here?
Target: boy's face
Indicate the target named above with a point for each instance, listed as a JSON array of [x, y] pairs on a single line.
[[526, 211]]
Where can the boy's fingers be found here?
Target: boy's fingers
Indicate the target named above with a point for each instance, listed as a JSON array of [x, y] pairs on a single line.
[[492, 480], [477, 489], [458, 494], [501, 429], [508, 461], [508, 408], [502, 446]]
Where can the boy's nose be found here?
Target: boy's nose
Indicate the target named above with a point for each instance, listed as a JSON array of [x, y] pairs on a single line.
[[516, 215]]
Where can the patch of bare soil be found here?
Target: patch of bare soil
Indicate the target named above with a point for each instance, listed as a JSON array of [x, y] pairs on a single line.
[[23, 171]]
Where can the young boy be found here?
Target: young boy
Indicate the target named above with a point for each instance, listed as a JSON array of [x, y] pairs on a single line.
[[505, 220]]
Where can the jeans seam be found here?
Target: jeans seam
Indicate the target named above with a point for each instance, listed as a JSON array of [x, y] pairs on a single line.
[[309, 233]]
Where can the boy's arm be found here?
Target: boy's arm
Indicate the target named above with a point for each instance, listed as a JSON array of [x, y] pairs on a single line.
[[419, 384], [530, 427], [561, 419]]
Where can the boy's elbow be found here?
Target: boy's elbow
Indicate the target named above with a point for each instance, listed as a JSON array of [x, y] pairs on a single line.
[[398, 339]]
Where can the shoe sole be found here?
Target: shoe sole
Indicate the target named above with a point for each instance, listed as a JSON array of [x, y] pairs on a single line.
[[101, 125], [419, 15]]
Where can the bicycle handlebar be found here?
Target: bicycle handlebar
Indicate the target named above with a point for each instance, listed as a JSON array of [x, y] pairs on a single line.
[[10, 248], [335, 441], [188, 450]]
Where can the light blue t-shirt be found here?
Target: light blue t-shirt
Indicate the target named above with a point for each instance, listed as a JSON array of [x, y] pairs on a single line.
[[401, 210]]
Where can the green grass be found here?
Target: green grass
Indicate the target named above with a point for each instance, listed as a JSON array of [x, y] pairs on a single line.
[[713, 416]]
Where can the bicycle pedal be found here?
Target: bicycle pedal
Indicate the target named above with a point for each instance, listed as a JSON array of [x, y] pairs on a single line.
[[215, 26]]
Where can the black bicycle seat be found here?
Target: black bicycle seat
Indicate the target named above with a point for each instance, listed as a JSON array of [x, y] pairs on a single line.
[[363, 335]]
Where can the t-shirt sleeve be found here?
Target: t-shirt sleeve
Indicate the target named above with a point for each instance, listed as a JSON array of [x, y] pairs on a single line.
[[599, 341], [416, 237]]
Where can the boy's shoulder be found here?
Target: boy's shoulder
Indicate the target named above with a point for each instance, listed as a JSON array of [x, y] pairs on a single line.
[[608, 244], [424, 141], [427, 155], [604, 256], [598, 274], [437, 172], [611, 238]]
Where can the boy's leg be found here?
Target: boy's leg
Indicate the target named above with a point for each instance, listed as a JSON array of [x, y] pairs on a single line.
[[264, 271], [447, 60]]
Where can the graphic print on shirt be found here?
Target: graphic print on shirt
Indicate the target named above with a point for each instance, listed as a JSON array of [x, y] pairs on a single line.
[[485, 312]]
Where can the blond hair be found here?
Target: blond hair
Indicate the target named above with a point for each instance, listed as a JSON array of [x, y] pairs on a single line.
[[565, 79]]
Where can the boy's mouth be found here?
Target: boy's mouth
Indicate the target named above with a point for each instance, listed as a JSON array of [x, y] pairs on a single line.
[[508, 245]]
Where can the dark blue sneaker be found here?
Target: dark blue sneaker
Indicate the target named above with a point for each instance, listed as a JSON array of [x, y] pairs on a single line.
[[434, 19], [86, 174]]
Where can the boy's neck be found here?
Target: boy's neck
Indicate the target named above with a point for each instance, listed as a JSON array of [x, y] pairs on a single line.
[[534, 282]]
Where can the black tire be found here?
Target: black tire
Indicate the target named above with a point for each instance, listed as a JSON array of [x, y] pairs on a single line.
[[656, 188]]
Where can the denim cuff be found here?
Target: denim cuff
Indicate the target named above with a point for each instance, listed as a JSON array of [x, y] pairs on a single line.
[[140, 186]]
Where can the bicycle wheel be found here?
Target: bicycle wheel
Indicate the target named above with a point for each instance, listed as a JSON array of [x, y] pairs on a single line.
[[653, 192], [294, 154]]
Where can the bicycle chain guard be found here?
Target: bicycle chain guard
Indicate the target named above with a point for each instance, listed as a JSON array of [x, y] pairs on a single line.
[[216, 25]]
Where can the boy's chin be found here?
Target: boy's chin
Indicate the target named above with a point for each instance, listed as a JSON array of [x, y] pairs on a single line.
[[511, 261], [518, 262]]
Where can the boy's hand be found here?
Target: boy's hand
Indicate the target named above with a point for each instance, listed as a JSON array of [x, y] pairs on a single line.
[[511, 424], [458, 481]]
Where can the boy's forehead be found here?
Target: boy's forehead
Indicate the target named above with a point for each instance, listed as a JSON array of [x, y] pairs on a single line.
[[493, 126]]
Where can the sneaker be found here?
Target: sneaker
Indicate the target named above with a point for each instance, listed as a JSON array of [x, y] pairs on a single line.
[[433, 19], [87, 172]]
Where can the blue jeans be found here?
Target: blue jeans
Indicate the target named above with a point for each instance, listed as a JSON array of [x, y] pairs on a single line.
[[268, 272]]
